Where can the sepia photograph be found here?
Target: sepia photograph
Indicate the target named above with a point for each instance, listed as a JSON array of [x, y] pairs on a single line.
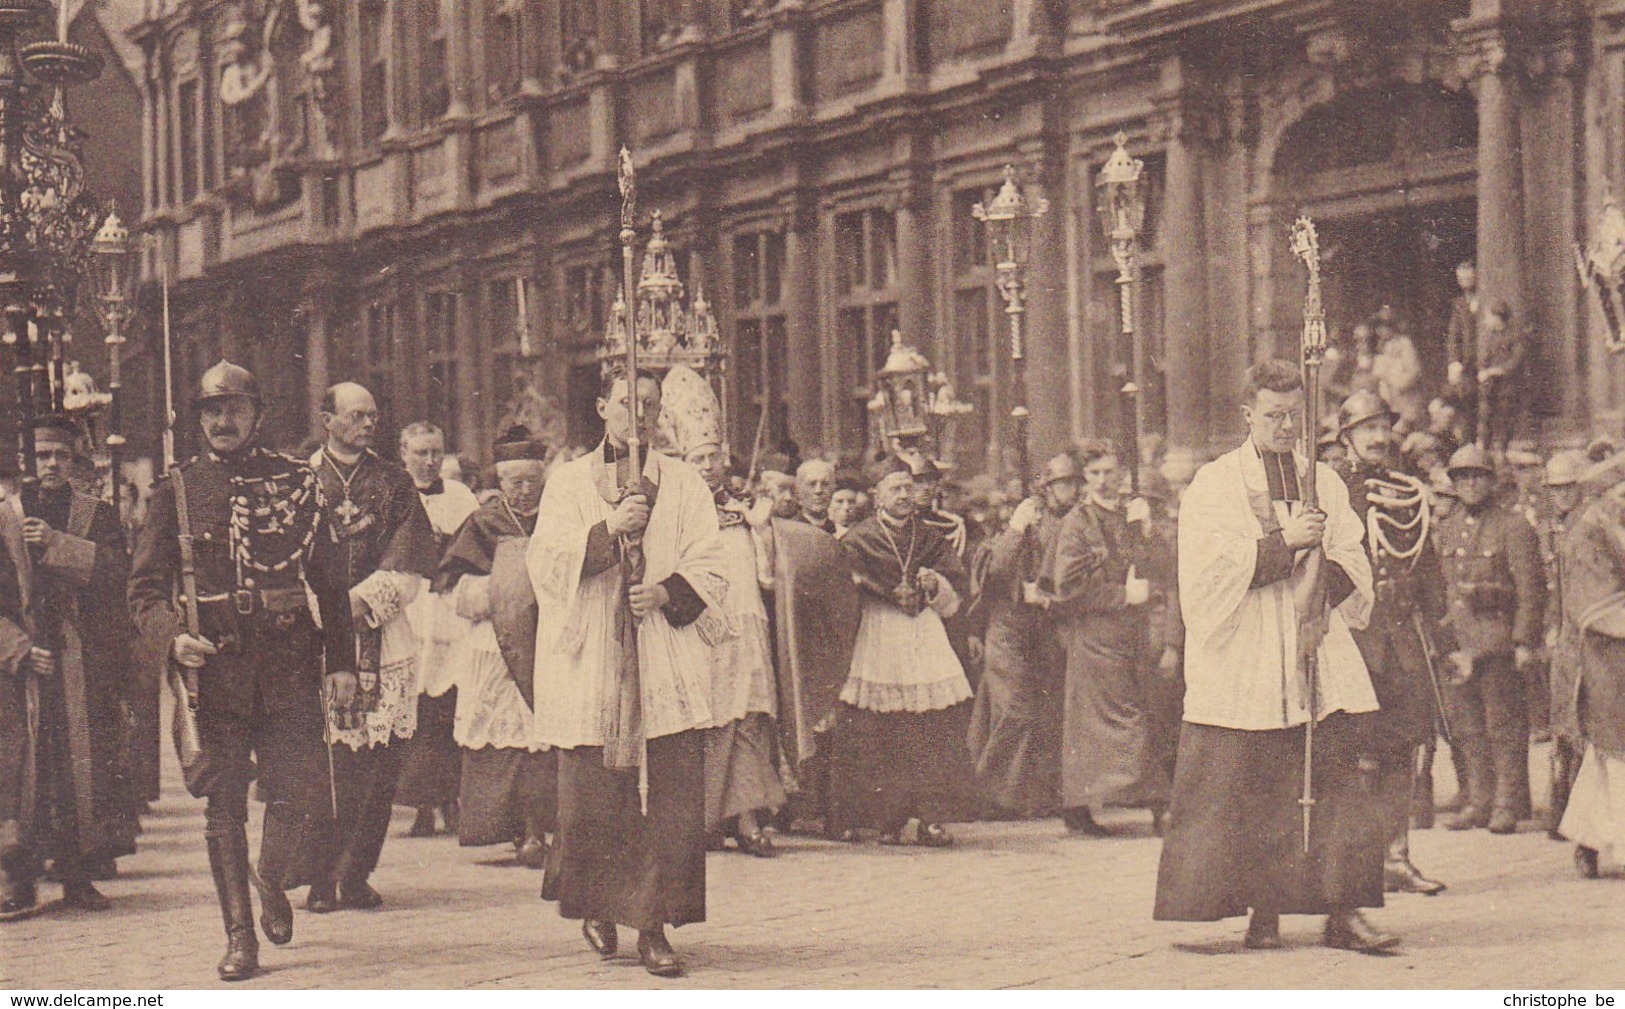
[[763, 495]]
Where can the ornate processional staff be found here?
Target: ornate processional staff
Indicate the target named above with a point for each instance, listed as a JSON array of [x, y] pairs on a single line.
[[629, 703], [1306, 246]]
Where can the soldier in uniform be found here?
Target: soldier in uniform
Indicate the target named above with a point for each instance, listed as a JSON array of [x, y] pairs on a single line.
[[256, 661], [1407, 620], [1497, 598], [1564, 497]]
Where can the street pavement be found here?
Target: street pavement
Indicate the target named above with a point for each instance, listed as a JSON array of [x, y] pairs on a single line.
[[1015, 904]]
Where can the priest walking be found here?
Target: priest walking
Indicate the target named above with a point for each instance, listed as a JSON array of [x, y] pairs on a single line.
[[1235, 841], [380, 545], [623, 679]]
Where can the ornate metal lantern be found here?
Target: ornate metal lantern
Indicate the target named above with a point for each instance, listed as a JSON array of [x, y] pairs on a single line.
[[115, 271], [1121, 204], [1009, 219], [914, 409], [46, 214], [1602, 270]]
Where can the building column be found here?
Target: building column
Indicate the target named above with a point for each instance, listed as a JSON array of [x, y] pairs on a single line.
[[804, 373], [788, 100], [459, 42], [915, 281], [318, 311], [1186, 339], [1500, 177]]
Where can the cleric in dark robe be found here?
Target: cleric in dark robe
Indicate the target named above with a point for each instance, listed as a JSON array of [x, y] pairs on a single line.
[[901, 732], [509, 788], [66, 571], [1015, 730], [380, 545], [623, 680], [1235, 841]]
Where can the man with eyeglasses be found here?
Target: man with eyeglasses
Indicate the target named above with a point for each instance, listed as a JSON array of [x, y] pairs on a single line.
[[1249, 550]]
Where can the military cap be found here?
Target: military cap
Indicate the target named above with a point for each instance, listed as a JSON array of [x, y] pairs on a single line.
[[225, 380]]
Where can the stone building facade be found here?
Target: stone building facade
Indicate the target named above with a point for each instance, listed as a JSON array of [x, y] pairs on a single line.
[[420, 194]]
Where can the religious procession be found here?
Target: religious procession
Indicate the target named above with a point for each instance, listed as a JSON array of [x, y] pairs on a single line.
[[402, 570]]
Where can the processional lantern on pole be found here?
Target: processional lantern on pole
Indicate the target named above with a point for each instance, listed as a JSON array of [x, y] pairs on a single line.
[[1121, 202], [1305, 245], [115, 270], [914, 409], [1602, 270], [1009, 218], [47, 216]]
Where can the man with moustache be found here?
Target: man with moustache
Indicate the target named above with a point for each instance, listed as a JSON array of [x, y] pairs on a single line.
[[257, 662], [1408, 626], [1014, 733], [378, 547], [1248, 553], [432, 762], [623, 678], [67, 567], [1497, 601]]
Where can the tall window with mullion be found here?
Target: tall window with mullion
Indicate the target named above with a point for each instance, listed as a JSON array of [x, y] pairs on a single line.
[[372, 22], [865, 310], [507, 339], [434, 56], [976, 358], [504, 50], [761, 362], [440, 346]]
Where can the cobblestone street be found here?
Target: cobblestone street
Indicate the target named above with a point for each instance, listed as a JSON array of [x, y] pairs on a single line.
[[1014, 905]]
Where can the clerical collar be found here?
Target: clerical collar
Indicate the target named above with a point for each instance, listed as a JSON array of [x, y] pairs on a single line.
[[341, 459], [887, 519], [1281, 472], [438, 487], [1101, 503]]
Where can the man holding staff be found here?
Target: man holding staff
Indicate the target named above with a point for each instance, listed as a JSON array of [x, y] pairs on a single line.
[[1246, 546]]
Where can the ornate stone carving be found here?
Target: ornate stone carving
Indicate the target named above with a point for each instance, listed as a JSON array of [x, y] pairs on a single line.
[[276, 60]]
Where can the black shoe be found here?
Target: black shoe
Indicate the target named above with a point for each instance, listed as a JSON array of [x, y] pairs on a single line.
[[1159, 822], [423, 823], [657, 955], [1585, 862], [359, 896], [532, 854], [242, 959], [82, 895], [1263, 931], [322, 899], [1470, 818], [1503, 822], [1349, 930], [756, 843], [101, 869], [1080, 821], [451, 816], [933, 835], [276, 913], [602, 936], [1403, 877]]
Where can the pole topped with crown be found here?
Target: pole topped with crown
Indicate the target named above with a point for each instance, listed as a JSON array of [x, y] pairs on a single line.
[[672, 329]]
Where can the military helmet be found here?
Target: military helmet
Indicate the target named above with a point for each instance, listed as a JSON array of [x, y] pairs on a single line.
[[1360, 407], [1062, 467], [226, 379], [1470, 457], [1564, 468]]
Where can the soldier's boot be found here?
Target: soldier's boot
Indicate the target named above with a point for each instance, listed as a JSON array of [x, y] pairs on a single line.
[[1564, 763], [1510, 758], [1399, 875], [1422, 787], [282, 841], [228, 859], [1474, 753], [1458, 761]]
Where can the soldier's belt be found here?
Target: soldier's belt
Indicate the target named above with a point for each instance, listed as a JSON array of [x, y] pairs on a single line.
[[247, 602]]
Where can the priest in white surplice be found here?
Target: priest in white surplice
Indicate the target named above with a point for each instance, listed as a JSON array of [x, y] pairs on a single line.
[[612, 862], [1245, 543]]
